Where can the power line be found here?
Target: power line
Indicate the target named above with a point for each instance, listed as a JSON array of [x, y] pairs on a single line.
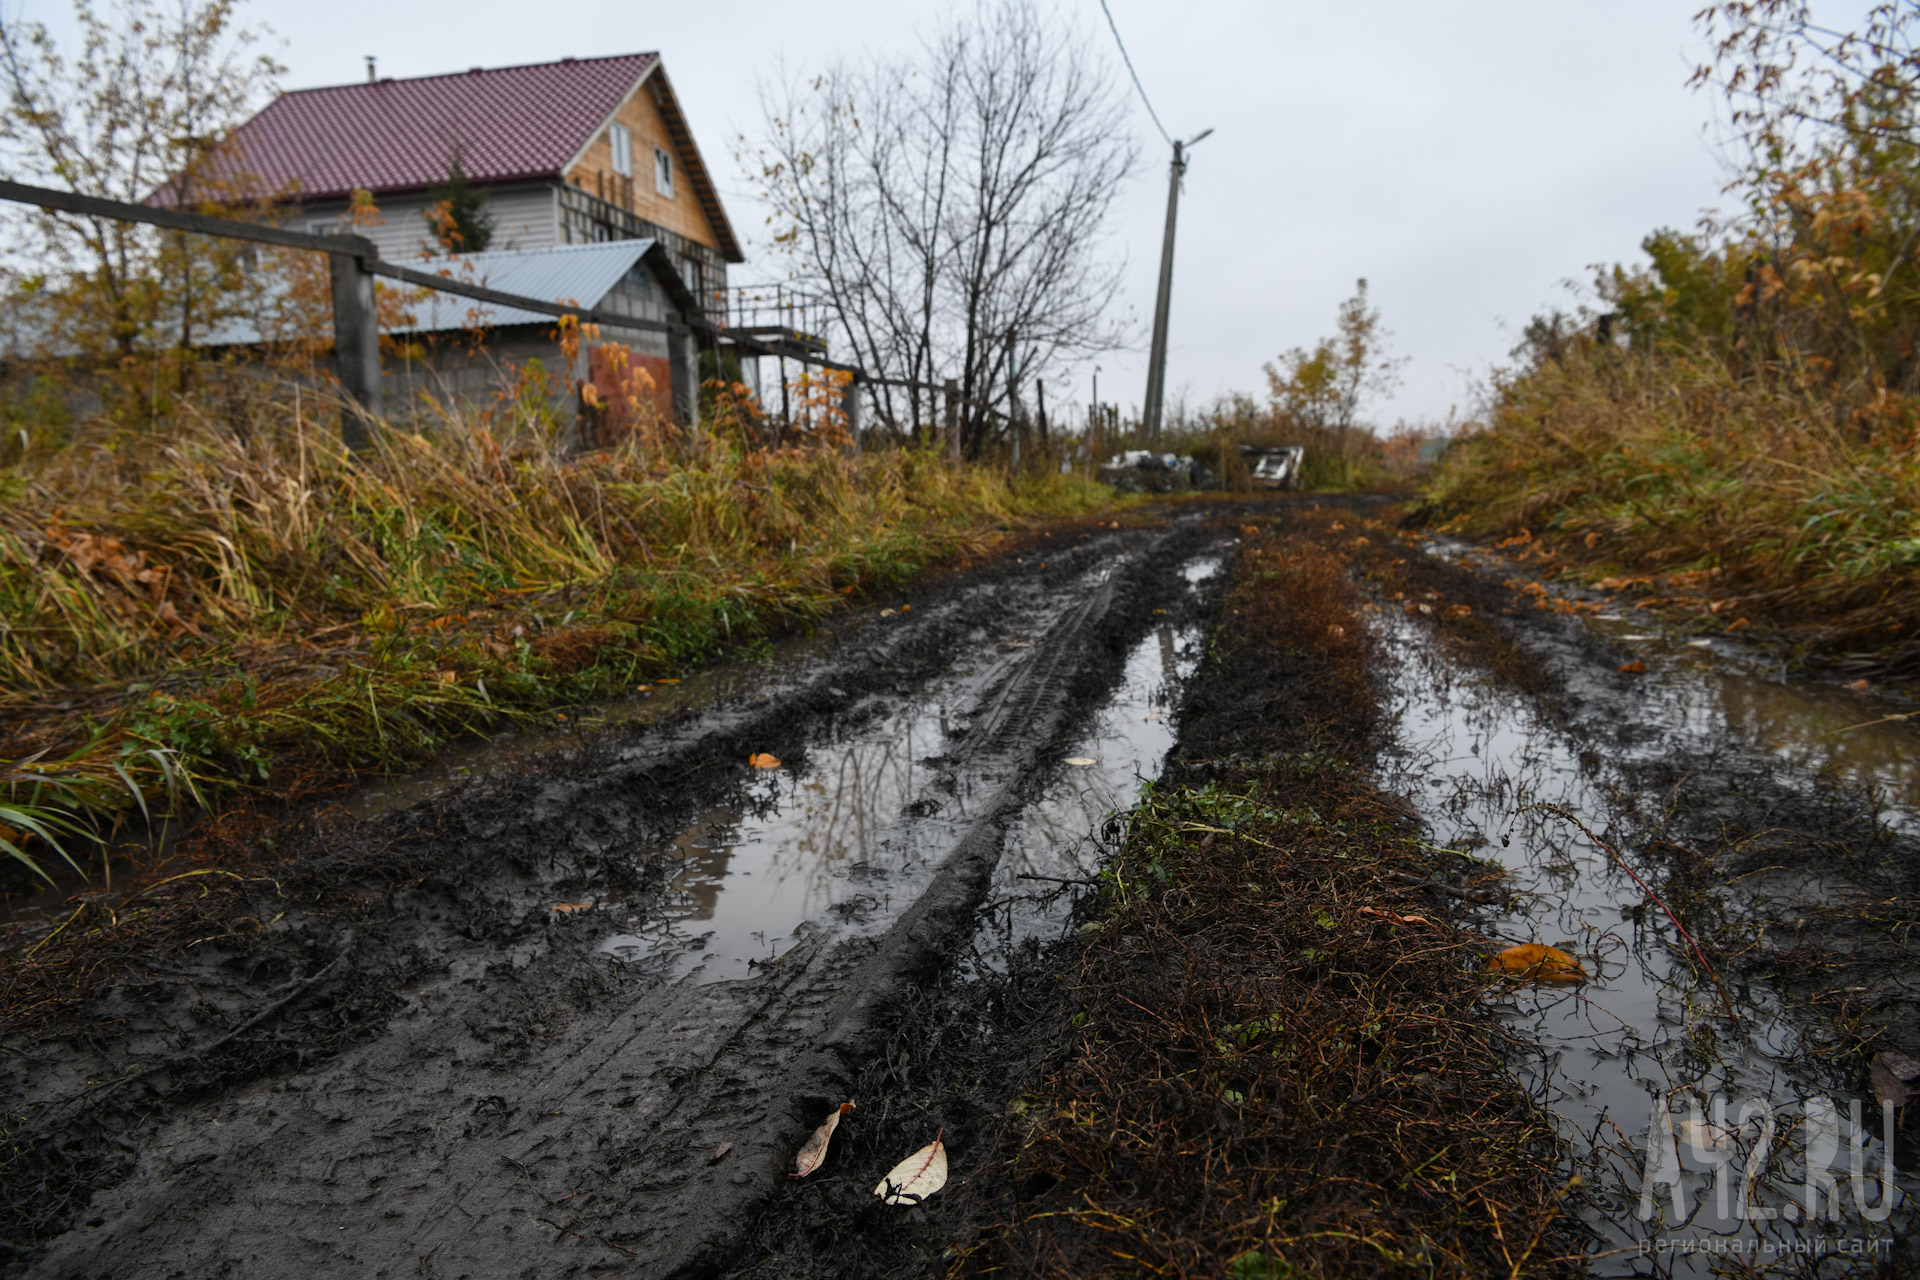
[[1111, 26]]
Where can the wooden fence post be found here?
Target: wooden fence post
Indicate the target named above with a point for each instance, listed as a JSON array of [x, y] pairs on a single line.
[[683, 356], [850, 405], [356, 340], [953, 419]]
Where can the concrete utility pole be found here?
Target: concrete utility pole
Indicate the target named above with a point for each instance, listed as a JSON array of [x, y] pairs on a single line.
[[1157, 357]]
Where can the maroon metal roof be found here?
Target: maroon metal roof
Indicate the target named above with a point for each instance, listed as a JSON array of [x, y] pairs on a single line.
[[509, 123]]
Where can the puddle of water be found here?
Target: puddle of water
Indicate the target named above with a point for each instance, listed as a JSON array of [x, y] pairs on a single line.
[[1060, 842], [848, 843], [1813, 732], [797, 851], [1475, 758], [1715, 689]]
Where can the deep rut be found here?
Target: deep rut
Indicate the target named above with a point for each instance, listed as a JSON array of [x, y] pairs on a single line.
[[525, 1105]]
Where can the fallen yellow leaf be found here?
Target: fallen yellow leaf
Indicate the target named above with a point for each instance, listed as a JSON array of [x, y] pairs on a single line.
[[568, 908], [1537, 962], [764, 760]]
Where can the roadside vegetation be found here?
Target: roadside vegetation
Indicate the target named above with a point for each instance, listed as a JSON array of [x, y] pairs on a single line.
[[218, 609], [1735, 425]]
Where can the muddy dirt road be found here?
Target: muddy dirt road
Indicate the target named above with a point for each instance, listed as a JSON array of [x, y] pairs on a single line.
[[578, 1014], [570, 1006]]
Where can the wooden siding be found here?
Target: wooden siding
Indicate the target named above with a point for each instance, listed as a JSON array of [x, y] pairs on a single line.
[[523, 218], [682, 213]]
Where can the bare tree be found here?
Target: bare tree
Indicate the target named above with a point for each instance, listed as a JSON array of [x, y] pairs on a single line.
[[950, 208]]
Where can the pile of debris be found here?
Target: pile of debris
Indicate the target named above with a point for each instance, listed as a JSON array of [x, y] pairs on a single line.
[[1144, 471]]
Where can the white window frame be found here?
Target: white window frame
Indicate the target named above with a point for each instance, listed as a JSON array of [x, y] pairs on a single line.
[[663, 171], [620, 141]]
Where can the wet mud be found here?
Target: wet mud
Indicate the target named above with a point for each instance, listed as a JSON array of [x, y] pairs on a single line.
[[570, 1006], [1733, 855], [573, 1008]]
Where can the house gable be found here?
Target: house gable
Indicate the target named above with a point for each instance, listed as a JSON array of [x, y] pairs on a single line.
[[651, 114]]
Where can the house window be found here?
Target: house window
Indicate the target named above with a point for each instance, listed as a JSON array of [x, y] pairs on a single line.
[[663, 171], [620, 138]]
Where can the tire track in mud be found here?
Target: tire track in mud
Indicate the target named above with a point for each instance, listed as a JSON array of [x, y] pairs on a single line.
[[531, 1107]]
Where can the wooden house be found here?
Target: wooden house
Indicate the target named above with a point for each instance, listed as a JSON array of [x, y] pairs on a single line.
[[595, 189], [579, 151]]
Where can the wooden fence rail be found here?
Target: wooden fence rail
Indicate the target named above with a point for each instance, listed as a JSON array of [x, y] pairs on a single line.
[[354, 261]]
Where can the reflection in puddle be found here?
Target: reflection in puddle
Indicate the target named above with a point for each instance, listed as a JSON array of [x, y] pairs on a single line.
[[1835, 735], [755, 877], [1061, 841], [1644, 1051], [851, 841], [1716, 689]]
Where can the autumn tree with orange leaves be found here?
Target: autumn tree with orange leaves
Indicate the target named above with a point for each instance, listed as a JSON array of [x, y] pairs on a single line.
[[145, 103], [1816, 279]]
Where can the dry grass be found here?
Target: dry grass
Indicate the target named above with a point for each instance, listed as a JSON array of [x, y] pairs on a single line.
[[1669, 476], [267, 609]]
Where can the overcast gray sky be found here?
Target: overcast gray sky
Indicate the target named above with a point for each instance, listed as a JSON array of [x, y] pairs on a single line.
[[1466, 158]]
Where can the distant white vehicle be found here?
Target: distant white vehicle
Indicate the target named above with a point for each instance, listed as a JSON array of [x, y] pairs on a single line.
[[1279, 468]]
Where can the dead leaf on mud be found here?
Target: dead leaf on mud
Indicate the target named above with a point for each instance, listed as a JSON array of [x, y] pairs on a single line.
[[1859, 686], [1891, 1074], [764, 760], [568, 908], [722, 1149], [1537, 962], [918, 1176], [1455, 612], [1388, 915], [815, 1152], [1633, 668]]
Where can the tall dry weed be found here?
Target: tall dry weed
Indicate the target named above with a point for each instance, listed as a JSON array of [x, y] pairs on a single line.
[[1654, 463], [234, 596]]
